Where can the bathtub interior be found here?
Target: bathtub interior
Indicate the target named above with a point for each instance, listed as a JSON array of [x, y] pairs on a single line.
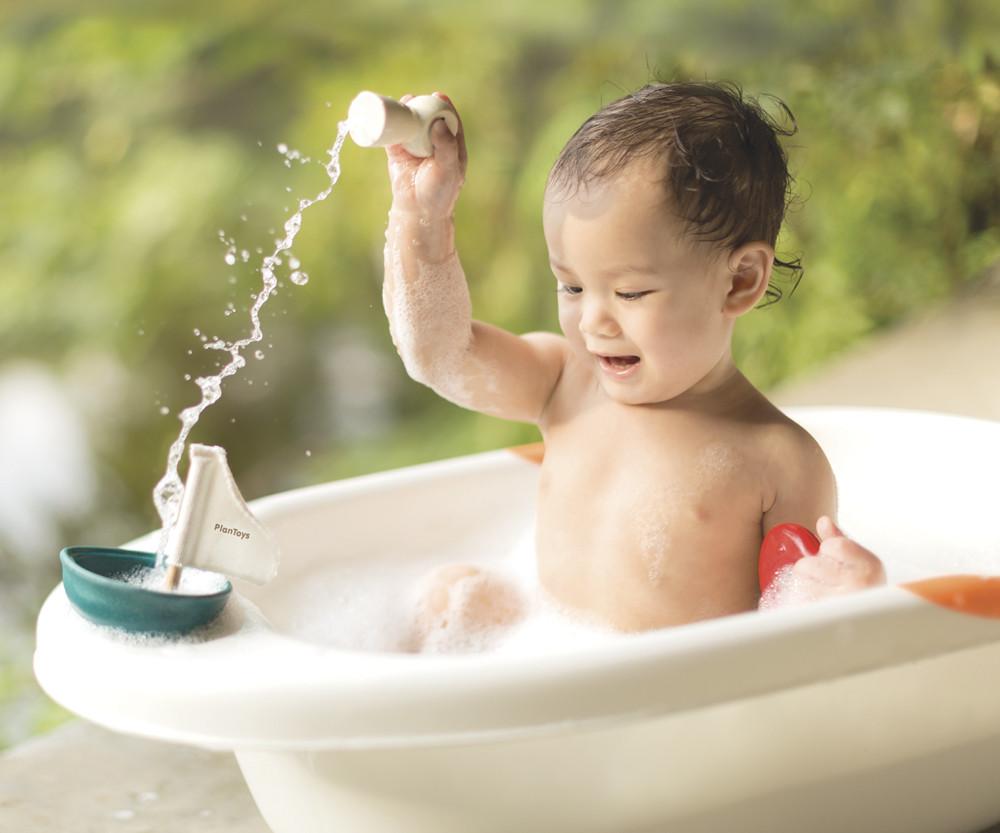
[[919, 489]]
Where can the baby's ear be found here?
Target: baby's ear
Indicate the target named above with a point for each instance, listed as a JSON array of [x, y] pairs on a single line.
[[749, 272]]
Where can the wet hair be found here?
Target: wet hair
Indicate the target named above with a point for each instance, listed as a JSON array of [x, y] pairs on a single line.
[[725, 171]]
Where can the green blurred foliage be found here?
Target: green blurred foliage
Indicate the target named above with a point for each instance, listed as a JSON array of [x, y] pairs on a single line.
[[131, 134]]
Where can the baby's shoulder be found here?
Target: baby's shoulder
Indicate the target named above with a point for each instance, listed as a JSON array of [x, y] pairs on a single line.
[[798, 473], [791, 448]]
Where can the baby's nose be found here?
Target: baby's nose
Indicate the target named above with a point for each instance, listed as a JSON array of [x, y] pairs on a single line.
[[597, 320]]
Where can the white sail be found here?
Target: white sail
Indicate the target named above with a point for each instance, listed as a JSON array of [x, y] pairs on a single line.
[[215, 528]]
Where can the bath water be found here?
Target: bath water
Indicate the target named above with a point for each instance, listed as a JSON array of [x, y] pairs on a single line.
[[193, 582], [169, 490], [370, 604]]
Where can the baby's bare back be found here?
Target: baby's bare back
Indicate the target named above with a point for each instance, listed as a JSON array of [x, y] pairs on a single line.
[[651, 516]]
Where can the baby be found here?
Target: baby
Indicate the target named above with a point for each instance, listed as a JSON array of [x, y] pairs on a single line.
[[664, 467]]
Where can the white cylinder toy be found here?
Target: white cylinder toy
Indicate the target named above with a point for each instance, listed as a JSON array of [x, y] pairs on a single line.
[[377, 121]]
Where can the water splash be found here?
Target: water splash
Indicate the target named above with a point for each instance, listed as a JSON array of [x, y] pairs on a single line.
[[169, 490]]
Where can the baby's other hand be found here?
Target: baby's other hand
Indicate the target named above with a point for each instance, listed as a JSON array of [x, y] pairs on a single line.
[[841, 566], [428, 187]]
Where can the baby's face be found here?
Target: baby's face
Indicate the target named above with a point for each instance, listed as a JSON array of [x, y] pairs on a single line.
[[637, 301]]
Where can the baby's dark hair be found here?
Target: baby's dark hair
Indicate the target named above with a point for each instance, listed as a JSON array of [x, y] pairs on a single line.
[[726, 173]]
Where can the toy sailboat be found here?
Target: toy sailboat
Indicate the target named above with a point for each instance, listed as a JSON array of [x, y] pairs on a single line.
[[215, 531], [215, 528]]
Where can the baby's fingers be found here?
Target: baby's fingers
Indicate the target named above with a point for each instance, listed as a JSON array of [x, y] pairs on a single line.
[[826, 528], [816, 568], [398, 155], [463, 155], [852, 563], [446, 150]]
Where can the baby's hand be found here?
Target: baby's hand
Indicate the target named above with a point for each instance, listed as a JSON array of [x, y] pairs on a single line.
[[841, 566], [429, 187]]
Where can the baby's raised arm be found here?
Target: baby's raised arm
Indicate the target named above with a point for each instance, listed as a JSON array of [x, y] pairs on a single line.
[[427, 302]]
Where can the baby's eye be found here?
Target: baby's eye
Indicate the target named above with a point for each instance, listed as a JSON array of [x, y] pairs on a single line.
[[569, 290], [632, 296]]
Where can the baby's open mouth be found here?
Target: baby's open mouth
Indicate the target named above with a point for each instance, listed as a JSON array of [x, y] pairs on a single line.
[[618, 364]]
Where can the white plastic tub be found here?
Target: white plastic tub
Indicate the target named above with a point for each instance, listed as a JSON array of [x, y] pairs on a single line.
[[876, 712]]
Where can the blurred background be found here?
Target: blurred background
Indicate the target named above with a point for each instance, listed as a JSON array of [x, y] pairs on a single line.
[[139, 146]]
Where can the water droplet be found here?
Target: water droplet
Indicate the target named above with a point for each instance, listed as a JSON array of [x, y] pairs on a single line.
[[308, 453], [282, 148], [243, 217], [299, 278], [244, 255], [293, 262], [258, 354], [141, 332], [187, 376], [232, 280], [230, 258], [164, 410]]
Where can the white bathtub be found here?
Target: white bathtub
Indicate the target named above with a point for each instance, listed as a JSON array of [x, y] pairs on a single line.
[[877, 712]]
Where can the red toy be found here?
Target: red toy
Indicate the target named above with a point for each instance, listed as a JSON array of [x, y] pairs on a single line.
[[783, 545]]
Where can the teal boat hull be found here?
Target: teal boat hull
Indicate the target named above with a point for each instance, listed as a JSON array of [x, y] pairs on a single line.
[[93, 578]]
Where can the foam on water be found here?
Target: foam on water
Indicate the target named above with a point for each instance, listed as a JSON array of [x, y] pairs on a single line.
[[170, 489], [193, 582], [372, 605]]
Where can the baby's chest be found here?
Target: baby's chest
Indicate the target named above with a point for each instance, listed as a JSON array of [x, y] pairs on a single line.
[[626, 499], [645, 499]]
